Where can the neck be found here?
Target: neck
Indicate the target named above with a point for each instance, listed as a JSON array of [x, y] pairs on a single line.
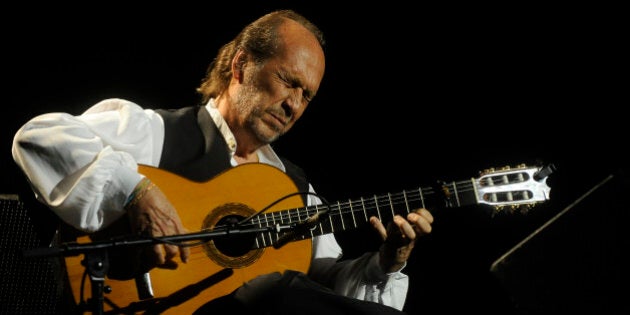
[[247, 144], [246, 147], [247, 158]]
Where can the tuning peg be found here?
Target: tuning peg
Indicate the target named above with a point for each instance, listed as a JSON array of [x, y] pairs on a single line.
[[544, 172]]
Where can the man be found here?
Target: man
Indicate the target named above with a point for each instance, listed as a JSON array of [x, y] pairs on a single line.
[[85, 168]]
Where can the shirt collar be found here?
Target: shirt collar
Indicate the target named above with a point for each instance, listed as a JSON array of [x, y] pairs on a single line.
[[266, 154]]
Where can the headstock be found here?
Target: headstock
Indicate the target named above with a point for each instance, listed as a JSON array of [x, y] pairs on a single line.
[[518, 188]]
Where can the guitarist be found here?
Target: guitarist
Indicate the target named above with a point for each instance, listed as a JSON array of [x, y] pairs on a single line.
[[85, 168]]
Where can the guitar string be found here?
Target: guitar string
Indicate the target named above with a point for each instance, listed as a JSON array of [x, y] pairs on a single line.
[[461, 186], [261, 219], [345, 207], [406, 197], [295, 216]]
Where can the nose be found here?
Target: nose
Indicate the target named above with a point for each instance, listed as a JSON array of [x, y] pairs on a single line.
[[293, 102], [289, 109]]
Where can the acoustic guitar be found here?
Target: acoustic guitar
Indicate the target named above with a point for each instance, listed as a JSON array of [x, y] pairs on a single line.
[[258, 196]]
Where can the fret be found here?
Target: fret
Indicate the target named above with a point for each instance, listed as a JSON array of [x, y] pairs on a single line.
[[288, 221], [327, 224], [269, 219], [332, 218], [320, 225], [456, 194], [421, 197], [343, 223], [285, 221], [406, 201], [257, 242], [346, 214], [354, 219], [411, 200], [271, 236], [306, 216], [391, 204], [302, 215], [378, 210], [364, 210], [276, 219], [262, 239], [399, 203]]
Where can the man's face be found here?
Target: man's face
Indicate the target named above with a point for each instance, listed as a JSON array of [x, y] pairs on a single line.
[[274, 95]]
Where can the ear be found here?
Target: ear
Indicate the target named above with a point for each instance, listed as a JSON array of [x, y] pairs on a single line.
[[238, 65]]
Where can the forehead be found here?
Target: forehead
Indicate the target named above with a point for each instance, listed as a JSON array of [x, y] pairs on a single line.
[[301, 53]]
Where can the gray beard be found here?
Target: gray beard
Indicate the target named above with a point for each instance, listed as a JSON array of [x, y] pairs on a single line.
[[245, 103]]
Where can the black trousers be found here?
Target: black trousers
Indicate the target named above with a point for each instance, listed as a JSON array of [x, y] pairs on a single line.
[[292, 293]]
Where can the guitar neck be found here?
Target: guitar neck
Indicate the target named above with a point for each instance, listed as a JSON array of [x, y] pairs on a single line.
[[352, 213], [518, 188]]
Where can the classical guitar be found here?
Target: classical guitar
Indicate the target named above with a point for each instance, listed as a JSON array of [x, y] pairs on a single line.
[[218, 266]]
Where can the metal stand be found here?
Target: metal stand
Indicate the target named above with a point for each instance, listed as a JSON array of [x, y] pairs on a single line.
[[97, 265]]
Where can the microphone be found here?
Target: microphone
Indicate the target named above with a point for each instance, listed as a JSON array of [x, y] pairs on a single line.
[[301, 228]]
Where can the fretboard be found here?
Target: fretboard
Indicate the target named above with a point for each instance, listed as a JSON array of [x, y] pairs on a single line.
[[352, 213]]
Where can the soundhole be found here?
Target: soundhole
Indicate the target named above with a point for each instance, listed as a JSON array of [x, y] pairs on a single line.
[[234, 245], [234, 250]]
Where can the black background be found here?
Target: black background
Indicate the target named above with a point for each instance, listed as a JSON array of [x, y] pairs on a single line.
[[412, 94]]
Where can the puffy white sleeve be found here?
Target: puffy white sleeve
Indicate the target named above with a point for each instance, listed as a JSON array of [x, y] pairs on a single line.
[[84, 167], [361, 278]]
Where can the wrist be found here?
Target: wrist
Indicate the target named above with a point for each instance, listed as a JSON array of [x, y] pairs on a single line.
[[138, 192]]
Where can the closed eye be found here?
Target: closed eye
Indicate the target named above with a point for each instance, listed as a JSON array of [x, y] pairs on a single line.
[[294, 83]]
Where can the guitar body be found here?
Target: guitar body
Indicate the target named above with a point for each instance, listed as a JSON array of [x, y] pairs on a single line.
[[213, 269]]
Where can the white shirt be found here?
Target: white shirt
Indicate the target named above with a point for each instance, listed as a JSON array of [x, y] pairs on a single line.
[[84, 167]]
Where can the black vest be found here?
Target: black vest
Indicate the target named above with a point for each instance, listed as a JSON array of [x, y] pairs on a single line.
[[195, 149]]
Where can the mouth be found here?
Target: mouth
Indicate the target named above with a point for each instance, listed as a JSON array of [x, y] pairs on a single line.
[[278, 122]]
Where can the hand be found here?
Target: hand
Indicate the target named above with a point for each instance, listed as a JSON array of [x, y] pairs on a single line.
[[400, 237], [151, 214]]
